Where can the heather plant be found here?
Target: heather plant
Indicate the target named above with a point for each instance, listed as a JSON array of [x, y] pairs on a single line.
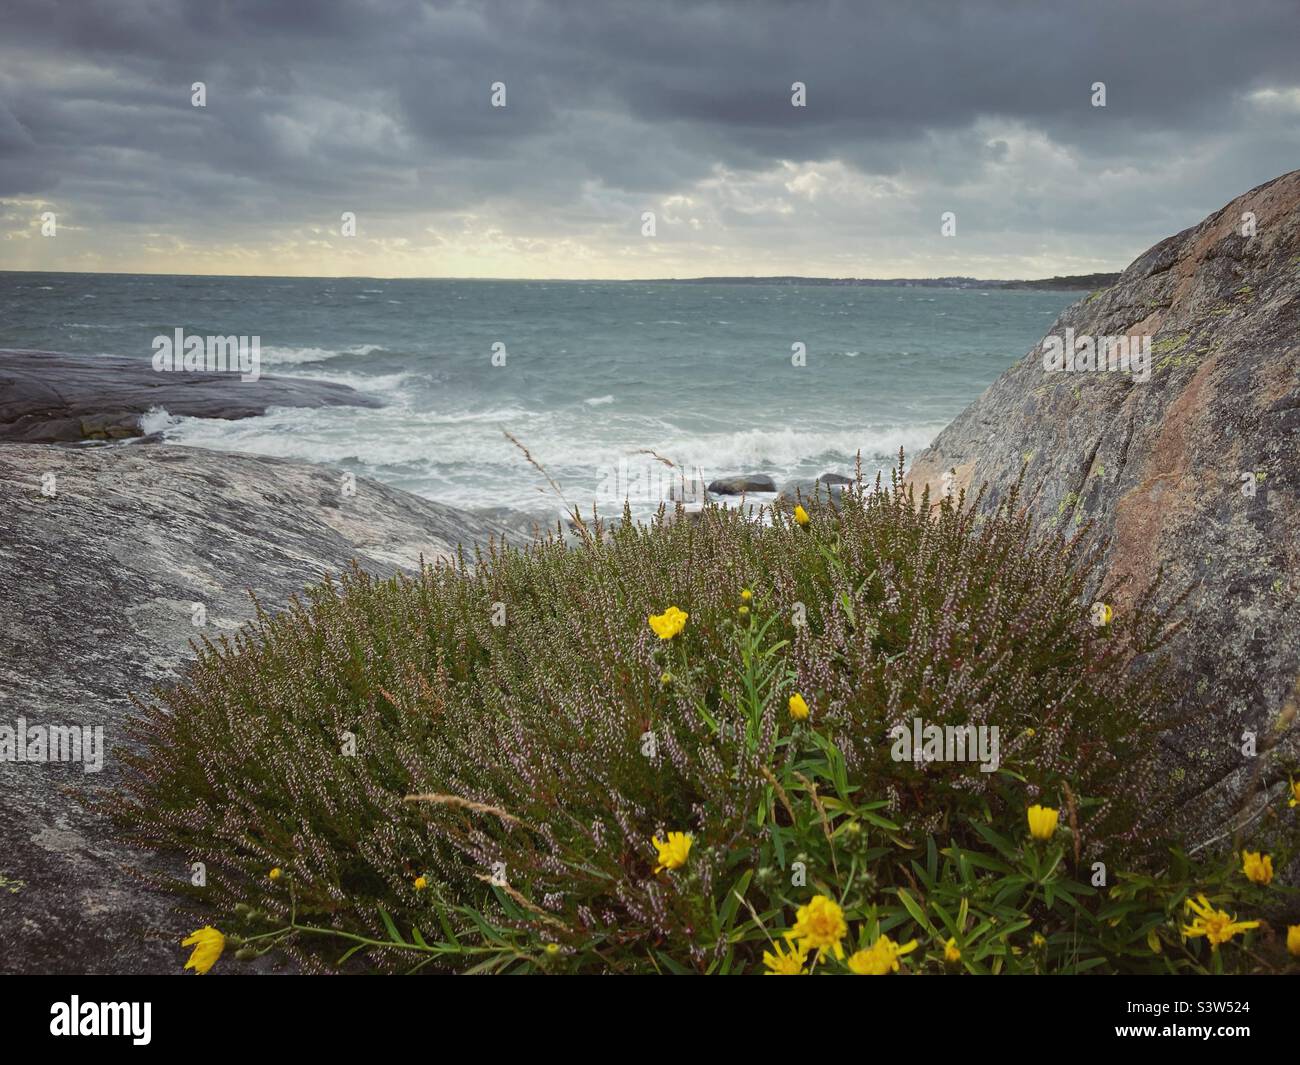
[[669, 749]]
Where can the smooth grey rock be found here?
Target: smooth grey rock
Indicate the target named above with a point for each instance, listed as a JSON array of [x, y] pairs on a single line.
[[749, 482], [1196, 471], [835, 478], [809, 493], [97, 586], [50, 397]]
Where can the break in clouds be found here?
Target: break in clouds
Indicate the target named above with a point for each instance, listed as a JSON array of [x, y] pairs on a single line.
[[613, 109]]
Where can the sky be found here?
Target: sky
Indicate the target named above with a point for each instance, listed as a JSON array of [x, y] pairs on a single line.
[[384, 110]]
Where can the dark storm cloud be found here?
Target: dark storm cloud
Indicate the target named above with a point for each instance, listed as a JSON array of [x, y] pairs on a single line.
[[384, 105]]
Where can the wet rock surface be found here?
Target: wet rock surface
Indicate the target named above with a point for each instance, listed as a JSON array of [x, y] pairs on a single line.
[[50, 397], [106, 555], [1195, 471]]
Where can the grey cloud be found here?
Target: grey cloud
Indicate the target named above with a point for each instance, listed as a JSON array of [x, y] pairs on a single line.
[[316, 107]]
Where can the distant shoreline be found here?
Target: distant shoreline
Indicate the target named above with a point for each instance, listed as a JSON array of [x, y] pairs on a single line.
[[1070, 282], [1066, 283]]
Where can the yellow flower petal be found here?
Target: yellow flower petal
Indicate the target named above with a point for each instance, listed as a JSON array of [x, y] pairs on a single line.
[[1042, 821], [780, 962], [1258, 868], [820, 925], [673, 854], [208, 944], [669, 623]]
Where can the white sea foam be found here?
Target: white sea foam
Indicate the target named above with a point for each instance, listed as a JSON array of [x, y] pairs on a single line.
[[758, 450], [385, 383], [156, 420], [598, 401], [273, 356], [462, 457]]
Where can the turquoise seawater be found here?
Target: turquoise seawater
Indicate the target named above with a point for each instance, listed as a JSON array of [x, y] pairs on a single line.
[[595, 374]]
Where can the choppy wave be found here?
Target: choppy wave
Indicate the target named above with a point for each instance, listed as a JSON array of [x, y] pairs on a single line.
[[156, 420], [599, 373], [278, 356], [760, 450], [387, 384], [463, 458]]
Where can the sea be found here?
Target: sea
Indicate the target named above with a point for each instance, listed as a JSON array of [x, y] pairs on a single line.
[[618, 390]]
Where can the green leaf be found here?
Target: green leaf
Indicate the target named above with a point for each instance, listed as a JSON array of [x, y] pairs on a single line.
[[728, 914], [349, 952], [667, 962], [393, 933], [914, 908]]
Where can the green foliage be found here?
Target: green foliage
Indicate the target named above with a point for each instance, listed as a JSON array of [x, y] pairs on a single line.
[[465, 769]]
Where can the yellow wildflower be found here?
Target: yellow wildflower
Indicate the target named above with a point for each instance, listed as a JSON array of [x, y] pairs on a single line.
[[1295, 793], [798, 707], [881, 958], [665, 679], [1257, 867], [746, 595], [951, 952], [669, 623], [801, 515], [421, 883], [1293, 939], [1038, 940], [744, 611], [781, 963], [208, 944], [275, 873], [819, 925], [673, 854], [552, 950], [1217, 926], [1042, 821]]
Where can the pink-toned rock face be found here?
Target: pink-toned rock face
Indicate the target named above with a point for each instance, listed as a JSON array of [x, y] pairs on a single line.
[[1194, 472]]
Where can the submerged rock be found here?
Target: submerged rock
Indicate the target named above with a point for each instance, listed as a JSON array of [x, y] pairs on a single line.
[[112, 559], [1195, 470]]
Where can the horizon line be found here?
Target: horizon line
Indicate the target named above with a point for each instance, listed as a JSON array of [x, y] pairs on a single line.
[[721, 278]]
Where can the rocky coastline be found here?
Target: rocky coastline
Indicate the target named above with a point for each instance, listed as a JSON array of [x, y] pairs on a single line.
[[115, 557]]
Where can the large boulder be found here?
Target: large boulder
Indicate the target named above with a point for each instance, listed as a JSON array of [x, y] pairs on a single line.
[[52, 397], [1194, 471], [112, 559]]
